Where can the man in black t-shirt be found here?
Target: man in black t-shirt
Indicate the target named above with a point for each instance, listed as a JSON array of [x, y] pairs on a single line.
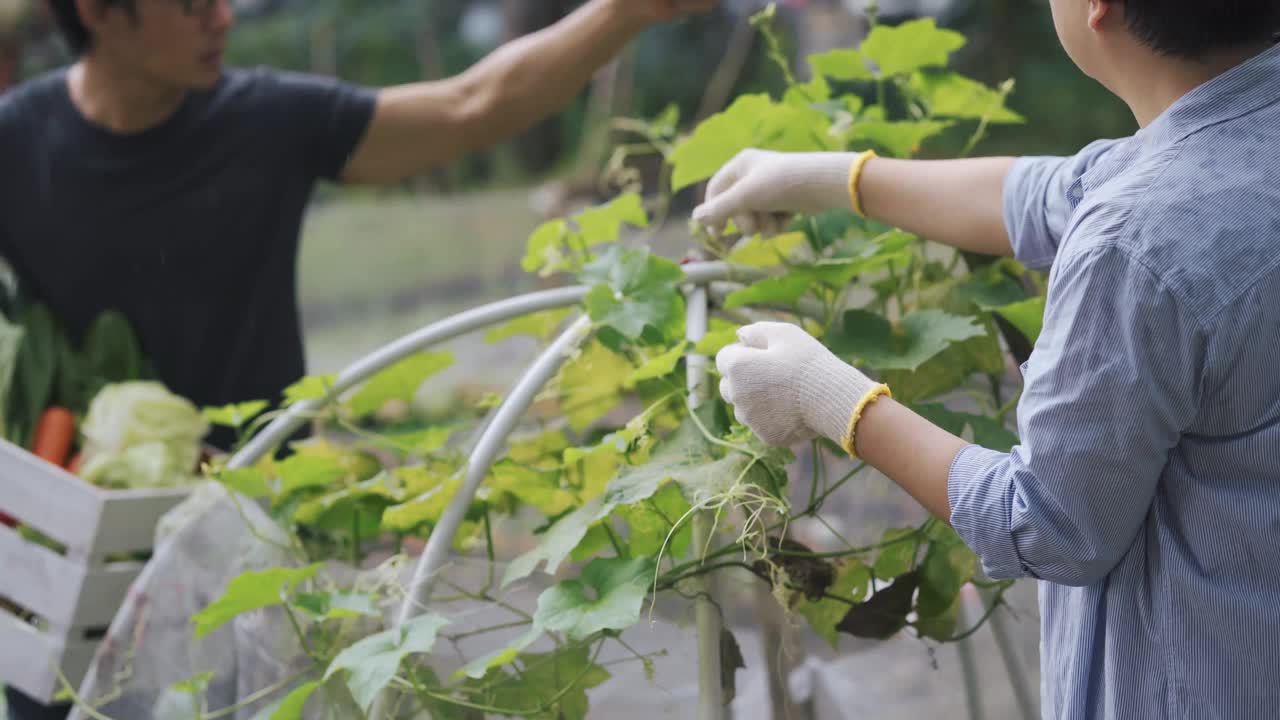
[[148, 179]]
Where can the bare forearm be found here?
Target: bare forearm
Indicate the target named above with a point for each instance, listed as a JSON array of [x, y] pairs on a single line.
[[531, 77], [954, 202], [911, 451], [423, 125]]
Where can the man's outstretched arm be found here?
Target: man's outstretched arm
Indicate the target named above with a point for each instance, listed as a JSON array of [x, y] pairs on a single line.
[[418, 126]]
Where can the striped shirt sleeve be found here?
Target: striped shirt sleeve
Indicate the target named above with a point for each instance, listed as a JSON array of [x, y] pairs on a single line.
[[1112, 384], [1037, 201]]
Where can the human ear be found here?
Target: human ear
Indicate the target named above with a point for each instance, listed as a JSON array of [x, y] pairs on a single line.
[[1099, 11]]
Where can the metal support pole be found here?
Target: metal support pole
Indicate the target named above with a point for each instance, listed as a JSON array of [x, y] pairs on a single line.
[[1013, 664], [439, 332], [487, 450], [969, 671], [707, 619]]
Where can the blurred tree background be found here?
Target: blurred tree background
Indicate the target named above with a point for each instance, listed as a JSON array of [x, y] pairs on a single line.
[[385, 42]]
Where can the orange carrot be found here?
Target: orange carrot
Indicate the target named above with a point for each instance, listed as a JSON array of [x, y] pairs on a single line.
[[55, 432]]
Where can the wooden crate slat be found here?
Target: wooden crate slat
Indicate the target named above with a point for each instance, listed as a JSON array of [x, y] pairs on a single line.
[[77, 656], [103, 592], [129, 517], [49, 499], [28, 658], [39, 579]]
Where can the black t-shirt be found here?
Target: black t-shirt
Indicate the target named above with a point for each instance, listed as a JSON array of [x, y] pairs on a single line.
[[189, 228]]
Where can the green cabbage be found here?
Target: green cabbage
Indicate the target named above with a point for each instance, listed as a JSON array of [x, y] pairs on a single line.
[[138, 434]]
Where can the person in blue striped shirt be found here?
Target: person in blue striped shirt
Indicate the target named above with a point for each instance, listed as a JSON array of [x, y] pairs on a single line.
[[1145, 492]]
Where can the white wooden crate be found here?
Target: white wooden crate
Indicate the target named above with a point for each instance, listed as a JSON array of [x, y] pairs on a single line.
[[75, 593]]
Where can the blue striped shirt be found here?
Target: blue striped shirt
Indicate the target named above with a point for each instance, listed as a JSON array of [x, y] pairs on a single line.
[[1145, 494]]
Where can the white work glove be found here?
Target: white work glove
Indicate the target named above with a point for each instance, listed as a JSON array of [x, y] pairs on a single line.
[[761, 190], [788, 387]]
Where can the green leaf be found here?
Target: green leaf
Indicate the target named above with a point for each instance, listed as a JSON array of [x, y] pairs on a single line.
[[290, 706], [558, 681], [424, 509], [398, 382], [546, 250], [631, 270], [604, 224], [234, 415], [751, 121], [905, 48], [634, 290], [853, 579], [713, 342], [334, 606], [947, 567], [593, 543], [608, 596], [311, 387], [543, 449], [659, 365], [251, 591], [901, 139], [591, 384], [759, 252], [415, 442], [249, 482], [195, 685], [781, 290], [683, 457], [307, 471], [478, 668], [869, 338], [334, 509], [558, 542], [651, 522], [896, 558], [950, 94], [1027, 316], [372, 662], [987, 432], [941, 626], [540, 325], [841, 64], [537, 489]]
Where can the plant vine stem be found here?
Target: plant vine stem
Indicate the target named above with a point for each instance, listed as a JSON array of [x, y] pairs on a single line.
[[545, 707], [259, 695], [485, 631], [613, 540], [816, 451], [816, 505], [996, 602], [297, 629]]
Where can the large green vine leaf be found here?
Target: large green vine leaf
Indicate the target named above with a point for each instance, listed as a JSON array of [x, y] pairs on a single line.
[[549, 686], [252, 590], [591, 384], [607, 596], [852, 581], [751, 121], [398, 382], [870, 338], [950, 94], [633, 290], [903, 49], [372, 662]]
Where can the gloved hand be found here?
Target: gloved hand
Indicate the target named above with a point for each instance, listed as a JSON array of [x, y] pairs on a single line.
[[760, 190], [788, 387]]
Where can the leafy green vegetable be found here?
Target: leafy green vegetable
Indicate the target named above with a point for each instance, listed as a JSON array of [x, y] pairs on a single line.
[[372, 662], [869, 338], [608, 596], [251, 591], [398, 382]]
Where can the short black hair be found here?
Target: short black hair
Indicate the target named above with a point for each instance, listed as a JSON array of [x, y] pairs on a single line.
[[1190, 29], [73, 30]]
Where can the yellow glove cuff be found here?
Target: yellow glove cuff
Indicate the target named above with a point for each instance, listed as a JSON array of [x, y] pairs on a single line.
[[872, 395], [855, 175]]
